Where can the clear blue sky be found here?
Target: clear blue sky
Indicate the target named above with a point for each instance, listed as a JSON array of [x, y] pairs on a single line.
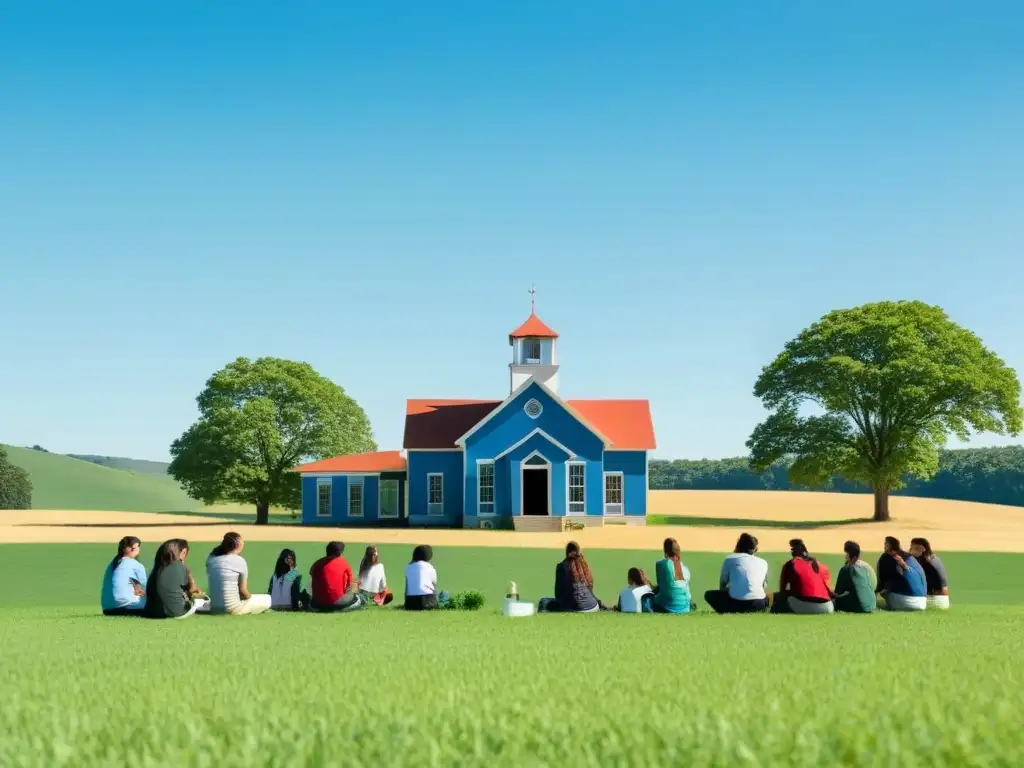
[[374, 189]]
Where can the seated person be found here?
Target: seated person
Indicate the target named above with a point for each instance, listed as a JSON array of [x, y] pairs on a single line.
[[574, 585], [673, 592], [333, 587], [742, 581], [901, 581], [168, 594], [421, 581], [803, 584], [632, 597], [124, 581], [934, 573], [855, 592], [228, 576], [372, 582], [285, 588]]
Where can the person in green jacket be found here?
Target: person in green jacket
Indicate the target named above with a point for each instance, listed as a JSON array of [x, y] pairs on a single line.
[[854, 591], [673, 592]]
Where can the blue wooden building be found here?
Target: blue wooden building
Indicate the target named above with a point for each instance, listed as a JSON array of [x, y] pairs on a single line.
[[496, 463]]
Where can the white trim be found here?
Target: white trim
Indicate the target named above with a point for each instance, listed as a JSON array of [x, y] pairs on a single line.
[[362, 498], [380, 498], [542, 433], [328, 483], [568, 485], [550, 393], [350, 474], [647, 481], [604, 494], [494, 488], [523, 468], [437, 504]]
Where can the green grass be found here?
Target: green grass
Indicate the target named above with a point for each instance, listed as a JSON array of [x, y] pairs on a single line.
[[141, 466], [384, 687]]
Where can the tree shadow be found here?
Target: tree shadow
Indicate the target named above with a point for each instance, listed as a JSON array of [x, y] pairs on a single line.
[[742, 522]]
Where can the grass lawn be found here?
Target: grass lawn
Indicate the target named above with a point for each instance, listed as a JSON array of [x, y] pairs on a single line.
[[388, 688]]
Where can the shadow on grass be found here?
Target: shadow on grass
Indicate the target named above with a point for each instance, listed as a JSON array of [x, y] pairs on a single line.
[[742, 522]]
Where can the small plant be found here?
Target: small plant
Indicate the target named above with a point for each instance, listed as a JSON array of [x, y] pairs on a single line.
[[471, 600]]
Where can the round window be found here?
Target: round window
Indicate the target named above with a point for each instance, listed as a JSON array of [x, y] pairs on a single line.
[[533, 408]]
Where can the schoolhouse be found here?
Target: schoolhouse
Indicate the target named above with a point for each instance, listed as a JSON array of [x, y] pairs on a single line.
[[521, 462]]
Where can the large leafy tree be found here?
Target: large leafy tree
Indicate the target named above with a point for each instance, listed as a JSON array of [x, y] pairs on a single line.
[[258, 419], [15, 485], [888, 382]]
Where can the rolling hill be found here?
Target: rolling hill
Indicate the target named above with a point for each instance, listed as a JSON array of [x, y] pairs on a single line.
[[140, 466]]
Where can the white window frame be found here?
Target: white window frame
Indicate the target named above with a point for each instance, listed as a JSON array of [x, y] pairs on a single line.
[[380, 497], [435, 508], [582, 508], [356, 482], [622, 495], [328, 483], [528, 345], [485, 508]]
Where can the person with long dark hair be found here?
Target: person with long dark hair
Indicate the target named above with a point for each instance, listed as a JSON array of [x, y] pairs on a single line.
[[673, 592], [228, 575], [638, 595], [169, 595], [902, 585], [421, 581], [804, 584], [742, 582], [936, 581], [285, 588], [371, 579], [124, 581], [574, 585]]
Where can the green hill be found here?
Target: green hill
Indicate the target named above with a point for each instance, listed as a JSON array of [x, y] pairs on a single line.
[[140, 466], [63, 482]]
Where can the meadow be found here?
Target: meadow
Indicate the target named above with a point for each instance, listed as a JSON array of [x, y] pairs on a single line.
[[389, 688]]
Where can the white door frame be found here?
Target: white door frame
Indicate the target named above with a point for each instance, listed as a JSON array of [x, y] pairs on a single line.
[[523, 469]]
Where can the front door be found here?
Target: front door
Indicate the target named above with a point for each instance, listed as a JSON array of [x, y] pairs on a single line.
[[535, 491], [389, 498]]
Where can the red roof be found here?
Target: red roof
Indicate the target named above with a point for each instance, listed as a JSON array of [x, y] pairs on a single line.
[[534, 327], [439, 423], [374, 461]]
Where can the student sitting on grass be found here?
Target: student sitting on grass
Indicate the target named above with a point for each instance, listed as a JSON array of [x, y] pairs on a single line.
[[168, 594], [372, 583], [228, 575], [333, 587], [637, 596], [742, 581], [124, 581], [855, 592], [574, 585], [673, 592], [901, 581], [934, 573], [803, 584], [285, 588], [421, 581]]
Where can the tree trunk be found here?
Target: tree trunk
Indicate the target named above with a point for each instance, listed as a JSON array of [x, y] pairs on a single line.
[[262, 512], [881, 505]]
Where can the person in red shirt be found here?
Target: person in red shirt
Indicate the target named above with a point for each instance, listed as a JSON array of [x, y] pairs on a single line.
[[332, 582], [804, 584]]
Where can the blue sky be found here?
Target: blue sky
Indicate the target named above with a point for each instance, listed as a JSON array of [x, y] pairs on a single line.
[[374, 189]]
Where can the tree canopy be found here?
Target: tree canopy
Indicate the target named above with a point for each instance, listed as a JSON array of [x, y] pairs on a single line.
[[889, 382], [258, 419], [15, 484]]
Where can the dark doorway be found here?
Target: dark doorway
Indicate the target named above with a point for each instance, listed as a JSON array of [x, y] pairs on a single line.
[[535, 492]]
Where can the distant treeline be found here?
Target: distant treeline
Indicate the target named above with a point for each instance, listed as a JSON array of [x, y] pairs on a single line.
[[989, 475]]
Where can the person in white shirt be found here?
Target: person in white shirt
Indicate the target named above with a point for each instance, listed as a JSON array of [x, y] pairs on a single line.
[[373, 585], [743, 580], [631, 598], [421, 581], [228, 574]]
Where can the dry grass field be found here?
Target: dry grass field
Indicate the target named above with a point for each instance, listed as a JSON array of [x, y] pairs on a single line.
[[709, 521]]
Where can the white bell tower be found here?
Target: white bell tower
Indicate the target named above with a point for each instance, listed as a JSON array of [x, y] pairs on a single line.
[[533, 351]]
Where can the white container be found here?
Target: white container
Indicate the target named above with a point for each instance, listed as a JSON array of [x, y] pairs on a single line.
[[518, 608]]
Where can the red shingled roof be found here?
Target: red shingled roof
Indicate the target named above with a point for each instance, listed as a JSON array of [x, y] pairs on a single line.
[[534, 327], [439, 423], [374, 461]]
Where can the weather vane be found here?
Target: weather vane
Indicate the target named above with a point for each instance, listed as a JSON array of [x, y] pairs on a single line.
[[533, 299]]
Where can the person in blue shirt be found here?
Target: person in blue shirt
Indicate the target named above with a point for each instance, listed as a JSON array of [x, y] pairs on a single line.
[[902, 585], [124, 581]]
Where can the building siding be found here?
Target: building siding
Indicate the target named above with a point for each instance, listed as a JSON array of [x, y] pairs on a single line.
[[449, 464], [633, 466]]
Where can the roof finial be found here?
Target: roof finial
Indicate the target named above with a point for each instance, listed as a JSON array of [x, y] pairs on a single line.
[[533, 299]]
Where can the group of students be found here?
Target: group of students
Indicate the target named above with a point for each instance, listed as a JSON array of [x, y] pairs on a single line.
[[169, 590], [912, 580]]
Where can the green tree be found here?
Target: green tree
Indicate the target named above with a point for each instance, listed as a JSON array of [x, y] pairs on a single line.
[[15, 485], [258, 419], [890, 381]]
